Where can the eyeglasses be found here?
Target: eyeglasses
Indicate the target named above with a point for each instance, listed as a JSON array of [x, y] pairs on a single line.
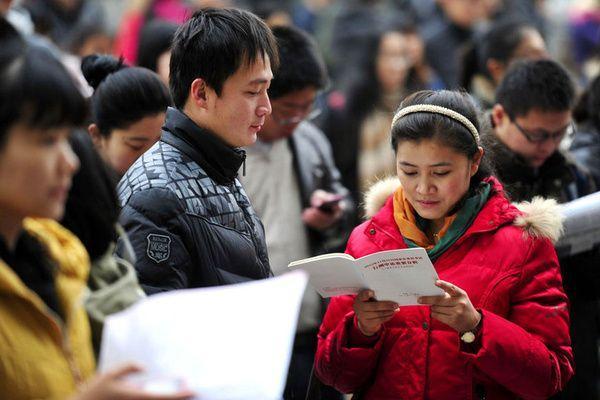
[[540, 135], [281, 114]]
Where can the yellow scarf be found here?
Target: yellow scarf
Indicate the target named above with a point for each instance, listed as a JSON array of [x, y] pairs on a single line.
[[404, 215]]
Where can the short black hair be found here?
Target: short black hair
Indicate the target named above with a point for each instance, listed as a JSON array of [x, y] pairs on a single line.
[[301, 64], [155, 39], [430, 126], [36, 89], [543, 85], [123, 95], [213, 44]]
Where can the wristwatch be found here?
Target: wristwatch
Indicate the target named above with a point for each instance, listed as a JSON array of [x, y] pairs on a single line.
[[470, 336]]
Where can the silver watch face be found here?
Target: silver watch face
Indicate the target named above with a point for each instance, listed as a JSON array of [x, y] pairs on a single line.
[[468, 337]]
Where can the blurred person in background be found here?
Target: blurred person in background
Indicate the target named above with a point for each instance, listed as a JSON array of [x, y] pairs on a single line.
[[357, 121], [154, 51], [532, 115], [140, 12], [489, 56], [586, 144], [90, 39], [128, 107], [448, 32], [45, 343], [290, 178], [60, 19]]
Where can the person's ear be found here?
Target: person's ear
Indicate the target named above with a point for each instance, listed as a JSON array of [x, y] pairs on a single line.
[[95, 134], [498, 115], [496, 70], [200, 93], [477, 160]]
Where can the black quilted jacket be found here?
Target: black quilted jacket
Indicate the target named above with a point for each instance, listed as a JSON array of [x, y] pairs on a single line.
[[186, 214]]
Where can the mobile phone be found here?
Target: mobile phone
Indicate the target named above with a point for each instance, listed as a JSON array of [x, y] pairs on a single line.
[[328, 206]]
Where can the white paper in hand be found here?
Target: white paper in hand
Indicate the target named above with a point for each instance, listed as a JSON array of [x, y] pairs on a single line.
[[227, 342]]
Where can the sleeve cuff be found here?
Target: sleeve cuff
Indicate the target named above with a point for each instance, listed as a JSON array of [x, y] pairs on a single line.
[[358, 339]]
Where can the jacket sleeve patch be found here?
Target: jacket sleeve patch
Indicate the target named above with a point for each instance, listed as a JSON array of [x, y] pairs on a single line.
[[159, 247]]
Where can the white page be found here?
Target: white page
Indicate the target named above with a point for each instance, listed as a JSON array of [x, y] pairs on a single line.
[[409, 276], [333, 276], [227, 342]]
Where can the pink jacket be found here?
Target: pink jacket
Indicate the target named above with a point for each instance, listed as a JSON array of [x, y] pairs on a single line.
[[507, 264]]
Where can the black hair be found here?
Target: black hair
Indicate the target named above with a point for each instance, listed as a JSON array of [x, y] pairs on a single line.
[[122, 95], [91, 210], [213, 44], [499, 43], [301, 64], [155, 39], [449, 132], [36, 89], [364, 92], [82, 33], [543, 84], [588, 107]]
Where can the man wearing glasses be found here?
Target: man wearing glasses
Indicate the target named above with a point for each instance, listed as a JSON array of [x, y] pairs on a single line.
[[530, 119], [294, 186]]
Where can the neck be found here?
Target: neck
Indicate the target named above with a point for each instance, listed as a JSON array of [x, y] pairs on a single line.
[[10, 228]]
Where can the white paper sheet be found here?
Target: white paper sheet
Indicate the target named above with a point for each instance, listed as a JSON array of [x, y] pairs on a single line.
[[581, 225], [228, 342]]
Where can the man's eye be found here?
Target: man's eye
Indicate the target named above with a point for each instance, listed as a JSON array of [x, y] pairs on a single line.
[[253, 93], [409, 173], [441, 173]]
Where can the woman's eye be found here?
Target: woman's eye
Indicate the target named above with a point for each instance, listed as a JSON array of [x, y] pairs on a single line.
[[135, 147], [409, 173], [441, 173]]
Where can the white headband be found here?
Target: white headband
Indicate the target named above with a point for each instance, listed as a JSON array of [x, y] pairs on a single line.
[[430, 108]]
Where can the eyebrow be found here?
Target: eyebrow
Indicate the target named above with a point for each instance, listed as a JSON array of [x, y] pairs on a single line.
[[442, 164], [259, 81]]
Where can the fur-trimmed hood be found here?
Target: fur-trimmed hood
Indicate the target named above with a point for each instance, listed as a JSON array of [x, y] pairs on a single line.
[[539, 217]]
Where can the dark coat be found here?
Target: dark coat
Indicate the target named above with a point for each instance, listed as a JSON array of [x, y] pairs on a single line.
[[586, 150], [186, 214], [315, 169], [562, 179]]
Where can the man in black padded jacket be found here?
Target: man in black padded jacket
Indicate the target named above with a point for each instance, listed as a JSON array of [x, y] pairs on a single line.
[[186, 213]]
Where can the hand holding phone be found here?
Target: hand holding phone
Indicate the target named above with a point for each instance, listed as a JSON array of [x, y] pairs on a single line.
[[329, 205]]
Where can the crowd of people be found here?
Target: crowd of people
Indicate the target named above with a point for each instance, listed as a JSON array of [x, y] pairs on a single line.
[[208, 143]]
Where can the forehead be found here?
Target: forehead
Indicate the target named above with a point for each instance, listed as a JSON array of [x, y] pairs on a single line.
[[550, 120], [300, 96], [427, 152], [257, 72]]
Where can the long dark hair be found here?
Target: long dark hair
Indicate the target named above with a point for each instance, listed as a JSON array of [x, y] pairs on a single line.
[[363, 90], [430, 126], [92, 209]]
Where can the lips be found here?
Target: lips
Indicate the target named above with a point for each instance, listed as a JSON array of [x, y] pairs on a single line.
[[428, 203]]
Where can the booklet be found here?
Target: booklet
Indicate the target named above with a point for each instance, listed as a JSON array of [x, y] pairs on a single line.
[[401, 275]]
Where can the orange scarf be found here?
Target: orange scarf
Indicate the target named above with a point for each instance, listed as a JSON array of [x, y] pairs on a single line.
[[404, 215]]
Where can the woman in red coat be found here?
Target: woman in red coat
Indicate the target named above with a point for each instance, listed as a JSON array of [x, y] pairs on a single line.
[[501, 331]]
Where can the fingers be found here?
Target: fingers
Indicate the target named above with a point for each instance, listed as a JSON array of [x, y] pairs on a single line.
[[449, 288], [123, 370], [365, 301]]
